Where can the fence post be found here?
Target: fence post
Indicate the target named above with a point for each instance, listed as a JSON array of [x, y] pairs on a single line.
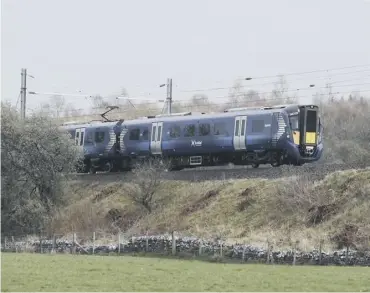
[[243, 255], [146, 242], [93, 248], [347, 250], [13, 244], [272, 255], [221, 252], [40, 242], [74, 243], [320, 251], [173, 243], [123, 242], [5, 243], [294, 252], [54, 244], [119, 243], [268, 252], [200, 247]]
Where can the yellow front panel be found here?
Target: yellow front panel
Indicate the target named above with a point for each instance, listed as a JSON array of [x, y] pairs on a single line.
[[296, 137], [311, 137]]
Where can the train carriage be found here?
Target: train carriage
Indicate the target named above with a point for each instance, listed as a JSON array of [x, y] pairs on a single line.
[[286, 134], [240, 136]]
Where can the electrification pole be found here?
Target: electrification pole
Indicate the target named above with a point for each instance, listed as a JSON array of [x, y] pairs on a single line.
[[23, 92], [169, 95]]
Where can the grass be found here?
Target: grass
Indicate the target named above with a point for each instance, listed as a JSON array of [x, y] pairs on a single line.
[[35, 272], [250, 211]]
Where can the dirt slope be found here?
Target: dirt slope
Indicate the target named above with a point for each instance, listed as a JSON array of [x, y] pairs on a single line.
[[254, 210]]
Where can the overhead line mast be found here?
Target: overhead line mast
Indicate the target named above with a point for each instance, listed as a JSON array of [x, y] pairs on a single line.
[[169, 95], [23, 92]]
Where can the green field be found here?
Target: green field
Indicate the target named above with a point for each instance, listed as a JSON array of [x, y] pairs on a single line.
[[35, 272]]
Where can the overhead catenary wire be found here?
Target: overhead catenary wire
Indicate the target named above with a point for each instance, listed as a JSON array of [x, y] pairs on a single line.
[[210, 104], [309, 72], [332, 84], [151, 101], [249, 85]]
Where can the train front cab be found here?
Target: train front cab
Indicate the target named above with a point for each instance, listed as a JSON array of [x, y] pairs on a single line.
[[306, 142], [97, 146]]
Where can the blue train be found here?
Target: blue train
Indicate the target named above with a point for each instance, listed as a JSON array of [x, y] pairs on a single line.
[[286, 134]]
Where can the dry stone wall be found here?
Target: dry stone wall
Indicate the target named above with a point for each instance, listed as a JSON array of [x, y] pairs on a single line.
[[193, 247]]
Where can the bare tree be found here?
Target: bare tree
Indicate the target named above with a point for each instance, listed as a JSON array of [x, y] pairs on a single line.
[[200, 99], [251, 98], [57, 104], [146, 182], [98, 103], [35, 155], [346, 130], [71, 111], [124, 92], [199, 102], [235, 93], [281, 86]]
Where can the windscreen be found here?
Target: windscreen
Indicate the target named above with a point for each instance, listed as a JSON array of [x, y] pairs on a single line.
[[311, 121]]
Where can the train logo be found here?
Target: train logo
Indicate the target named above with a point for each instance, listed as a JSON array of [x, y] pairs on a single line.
[[195, 143]]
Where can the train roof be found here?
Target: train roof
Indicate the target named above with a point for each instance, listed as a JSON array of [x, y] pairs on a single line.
[[74, 125], [186, 116]]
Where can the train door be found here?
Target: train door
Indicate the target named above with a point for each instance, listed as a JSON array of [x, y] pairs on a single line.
[[80, 137], [156, 139], [239, 133]]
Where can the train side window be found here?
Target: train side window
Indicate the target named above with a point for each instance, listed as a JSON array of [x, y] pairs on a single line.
[[159, 133], [89, 139], [204, 129], [99, 136], [153, 134], [175, 131], [236, 128], [242, 131], [77, 136], [134, 134], [145, 135], [189, 130], [294, 122], [219, 128], [258, 125]]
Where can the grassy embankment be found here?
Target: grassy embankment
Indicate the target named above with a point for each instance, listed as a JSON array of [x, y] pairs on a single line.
[[283, 210], [35, 272]]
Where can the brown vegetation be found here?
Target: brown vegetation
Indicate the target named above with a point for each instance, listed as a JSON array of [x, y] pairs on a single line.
[[281, 210]]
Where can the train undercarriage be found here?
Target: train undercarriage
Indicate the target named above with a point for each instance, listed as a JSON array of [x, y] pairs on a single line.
[[254, 159]]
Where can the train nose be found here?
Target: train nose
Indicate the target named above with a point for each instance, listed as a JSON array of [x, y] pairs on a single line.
[[309, 150]]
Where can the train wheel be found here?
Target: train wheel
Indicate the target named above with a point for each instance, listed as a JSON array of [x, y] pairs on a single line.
[[108, 167], [255, 165]]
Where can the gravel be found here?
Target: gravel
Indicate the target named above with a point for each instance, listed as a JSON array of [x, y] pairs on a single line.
[[316, 171]]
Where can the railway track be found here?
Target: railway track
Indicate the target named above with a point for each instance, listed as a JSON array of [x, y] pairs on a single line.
[[315, 171]]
